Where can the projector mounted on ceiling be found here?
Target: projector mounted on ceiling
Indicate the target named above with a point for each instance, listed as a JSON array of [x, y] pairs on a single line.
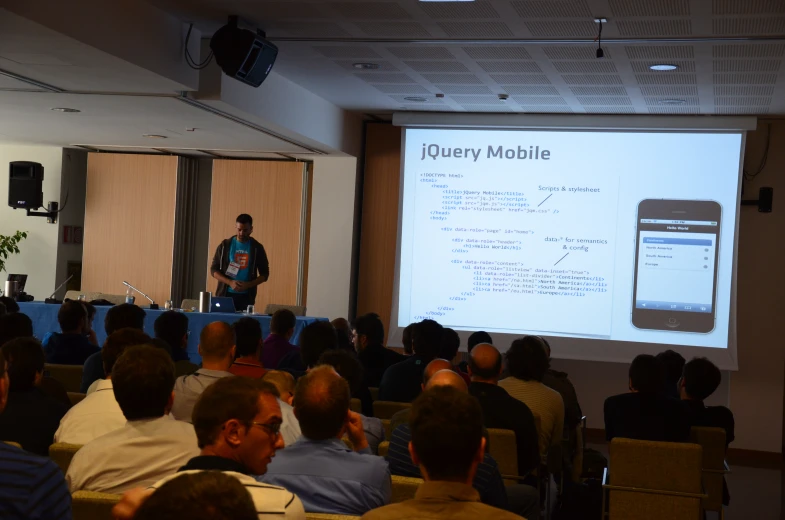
[[242, 54]]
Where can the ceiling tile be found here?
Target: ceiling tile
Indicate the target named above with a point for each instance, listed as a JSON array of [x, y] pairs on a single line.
[[585, 66], [437, 66], [349, 65], [477, 100], [599, 91], [463, 89], [530, 91], [674, 110], [544, 100], [524, 79], [476, 29], [745, 79], [308, 30], [547, 109], [583, 29], [489, 108], [749, 50], [669, 91], [509, 66], [747, 65], [610, 110], [645, 66], [749, 26], [552, 9], [659, 52], [402, 89], [657, 101], [666, 79], [431, 99], [742, 110], [624, 8], [505, 52], [291, 9], [393, 29], [448, 10], [592, 79], [351, 51], [640, 28], [743, 91], [603, 100], [574, 52], [748, 7], [458, 79], [742, 101], [385, 77], [369, 10], [421, 53]]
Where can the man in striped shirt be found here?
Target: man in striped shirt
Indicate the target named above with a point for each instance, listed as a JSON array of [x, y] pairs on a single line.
[[31, 487]]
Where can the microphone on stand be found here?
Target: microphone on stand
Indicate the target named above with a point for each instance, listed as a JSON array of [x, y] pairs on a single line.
[[52, 298], [153, 305]]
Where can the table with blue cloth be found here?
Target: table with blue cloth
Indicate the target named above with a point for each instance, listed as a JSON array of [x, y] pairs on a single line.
[[44, 318]]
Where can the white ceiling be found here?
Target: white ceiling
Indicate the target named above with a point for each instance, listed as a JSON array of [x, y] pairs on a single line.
[[714, 77]]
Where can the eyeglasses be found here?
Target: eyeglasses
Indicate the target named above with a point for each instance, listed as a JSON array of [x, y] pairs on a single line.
[[273, 429]]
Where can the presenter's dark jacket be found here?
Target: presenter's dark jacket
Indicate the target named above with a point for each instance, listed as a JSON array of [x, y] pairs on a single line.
[[258, 262]]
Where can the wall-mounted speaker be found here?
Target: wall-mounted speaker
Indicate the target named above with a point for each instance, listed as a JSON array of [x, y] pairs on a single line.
[[25, 180], [242, 54]]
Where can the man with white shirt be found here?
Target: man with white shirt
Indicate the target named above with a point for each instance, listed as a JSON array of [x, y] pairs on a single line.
[[151, 445], [217, 348], [99, 413]]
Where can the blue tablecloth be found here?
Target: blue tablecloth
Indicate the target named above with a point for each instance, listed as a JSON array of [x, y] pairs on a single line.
[[44, 318]]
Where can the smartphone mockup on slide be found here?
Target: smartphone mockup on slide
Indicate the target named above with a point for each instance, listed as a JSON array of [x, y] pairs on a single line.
[[676, 255]]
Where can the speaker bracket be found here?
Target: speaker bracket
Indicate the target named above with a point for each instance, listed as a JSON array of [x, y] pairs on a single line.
[[50, 213]]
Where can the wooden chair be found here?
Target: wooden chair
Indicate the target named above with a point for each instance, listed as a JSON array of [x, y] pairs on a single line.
[[712, 440], [649, 480], [387, 428], [69, 375], [404, 488], [297, 310], [62, 453], [386, 409], [504, 450], [374, 393], [76, 397], [91, 505], [328, 516], [356, 405], [384, 447]]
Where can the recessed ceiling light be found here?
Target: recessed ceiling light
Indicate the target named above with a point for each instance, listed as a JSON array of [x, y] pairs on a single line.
[[66, 110], [154, 136], [664, 66], [366, 66], [672, 101], [415, 99]]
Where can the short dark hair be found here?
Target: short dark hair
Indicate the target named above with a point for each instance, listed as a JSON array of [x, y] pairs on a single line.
[[315, 339], [427, 338], [447, 430], [673, 363], [171, 327], [25, 358], [15, 325], [245, 218], [527, 359], [71, 316], [486, 372], [701, 378], [451, 343], [478, 337], [283, 321], [124, 316], [647, 374], [116, 343], [247, 335], [406, 338], [10, 304], [91, 310], [143, 380], [344, 331], [371, 326], [322, 403], [228, 398], [216, 340], [206, 495], [347, 366]]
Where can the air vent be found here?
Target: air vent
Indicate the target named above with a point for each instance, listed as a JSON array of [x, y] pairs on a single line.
[[429, 99], [674, 110], [383, 65]]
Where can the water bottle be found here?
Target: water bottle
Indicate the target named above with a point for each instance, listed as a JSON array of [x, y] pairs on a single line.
[[129, 296]]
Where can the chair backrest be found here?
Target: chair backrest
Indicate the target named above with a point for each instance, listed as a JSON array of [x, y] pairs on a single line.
[[404, 488], [386, 409], [712, 440], [297, 310], [189, 304], [62, 453], [504, 450], [387, 423], [91, 505], [356, 405], [17, 445], [69, 375], [384, 447], [328, 516], [374, 392], [76, 397]]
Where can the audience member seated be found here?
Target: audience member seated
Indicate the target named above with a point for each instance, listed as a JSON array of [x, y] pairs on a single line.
[[345, 335], [152, 445], [118, 317], [31, 417], [402, 381], [673, 363], [284, 384], [500, 409], [437, 365], [315, 339], [476, 338], [276, 345], [349, 368], [406, 339], [99, 413], [71, 346], [248, 339], [216, 346], [3, 312], [528, 362], [644, 413], [448, 446], [369, 343], [560, 382], [31, 487], [451, 343], [10, 304], [171, 327], [319, 468]]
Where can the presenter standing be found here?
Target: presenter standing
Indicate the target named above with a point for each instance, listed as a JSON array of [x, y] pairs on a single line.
[[240, 265]]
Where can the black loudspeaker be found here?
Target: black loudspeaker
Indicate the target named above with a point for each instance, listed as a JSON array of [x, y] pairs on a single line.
[[765, 200], [242, 54], [24, 185]]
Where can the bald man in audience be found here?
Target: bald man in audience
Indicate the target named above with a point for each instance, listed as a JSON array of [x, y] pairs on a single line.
[[284, 383], [217, 348], [402, 417]]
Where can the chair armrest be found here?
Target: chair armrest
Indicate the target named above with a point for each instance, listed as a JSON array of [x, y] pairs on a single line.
[[604, 477]]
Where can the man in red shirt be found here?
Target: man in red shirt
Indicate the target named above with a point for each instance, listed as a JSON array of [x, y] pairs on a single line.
[[248, 339]]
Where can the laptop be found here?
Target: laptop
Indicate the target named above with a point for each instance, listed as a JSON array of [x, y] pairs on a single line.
[[222, 304]]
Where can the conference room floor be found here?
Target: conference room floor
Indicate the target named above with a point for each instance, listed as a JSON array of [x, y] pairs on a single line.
[[755, 492]]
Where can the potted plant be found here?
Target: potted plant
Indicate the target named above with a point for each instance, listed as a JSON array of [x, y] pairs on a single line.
[[9, 246]]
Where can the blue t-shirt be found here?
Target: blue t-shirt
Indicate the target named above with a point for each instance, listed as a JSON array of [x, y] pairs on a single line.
[[240, 253]]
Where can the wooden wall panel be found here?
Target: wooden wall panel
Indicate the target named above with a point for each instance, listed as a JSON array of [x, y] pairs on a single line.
[[129, 224], [379, 228], [271, 192]]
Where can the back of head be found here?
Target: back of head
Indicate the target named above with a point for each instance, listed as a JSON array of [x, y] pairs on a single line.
[[485, 362], [15, 325], [124, 316], [116, 344], [247, 336], [143, 380], [25, 359], [673, 363], [406, 339], [315, 339], [91, 310], [347, 366], [450, 344], [10, 304], [321, 403], [701, 378], [527, 359], [647, 375], [434, 366], [282, 380], [282, 322], [370, 325], [206, 495], [427, 339], [72, 316], [446, 432], [478, 337], [447, 377], [171, 327], [344, 333], [216, 341]]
